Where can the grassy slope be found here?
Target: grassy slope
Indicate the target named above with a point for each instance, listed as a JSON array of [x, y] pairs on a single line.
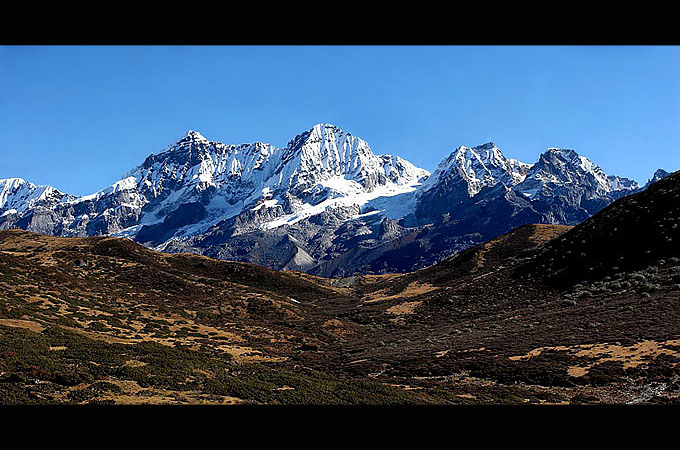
[[106, 320]]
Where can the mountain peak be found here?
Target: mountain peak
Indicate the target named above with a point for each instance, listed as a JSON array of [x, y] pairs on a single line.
[[564, 153], [21, 194], [193, 136], [487, 146], [559, 159], [190, 137], [480, 166], [326, 132], [324, 126], [11, 181], [660, 174], [317, 133]]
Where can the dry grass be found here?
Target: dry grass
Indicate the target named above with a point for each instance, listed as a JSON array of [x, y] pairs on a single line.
[[404, 309], [630, 356], [413, 289], [133, 394], [26, 324]]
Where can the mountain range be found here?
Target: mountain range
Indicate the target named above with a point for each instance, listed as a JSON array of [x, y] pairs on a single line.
[[323, 204]]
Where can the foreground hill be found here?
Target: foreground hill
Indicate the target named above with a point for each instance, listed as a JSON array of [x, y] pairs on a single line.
[[107, 320], [104, 319]]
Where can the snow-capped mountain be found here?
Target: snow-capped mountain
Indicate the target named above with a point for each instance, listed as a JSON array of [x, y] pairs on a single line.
[[46, 210], [572, 185], [319, 169], [464, 174], [17, 195], [478, 167], [324, 203], [564, 167], [570, 188], [477, 194]]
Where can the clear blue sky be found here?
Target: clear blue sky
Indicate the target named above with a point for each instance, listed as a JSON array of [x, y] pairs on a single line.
[[78, 118]]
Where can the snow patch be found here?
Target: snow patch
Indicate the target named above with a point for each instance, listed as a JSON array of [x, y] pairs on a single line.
[[266, 204], [347, 193]]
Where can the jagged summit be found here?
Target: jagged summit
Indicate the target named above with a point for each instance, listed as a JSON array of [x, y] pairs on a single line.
[[564, 152], [565, 166], [325, 125], [476, 168], [190, 139], [316, 130], [660, 174], [18, 196], [327, 154], [195, 135], [485, 146]]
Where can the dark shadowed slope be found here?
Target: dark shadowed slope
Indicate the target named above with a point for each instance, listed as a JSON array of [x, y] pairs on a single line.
[[632, 233]]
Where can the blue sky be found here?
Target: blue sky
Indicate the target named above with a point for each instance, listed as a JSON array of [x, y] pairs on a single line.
[[78, 118]]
